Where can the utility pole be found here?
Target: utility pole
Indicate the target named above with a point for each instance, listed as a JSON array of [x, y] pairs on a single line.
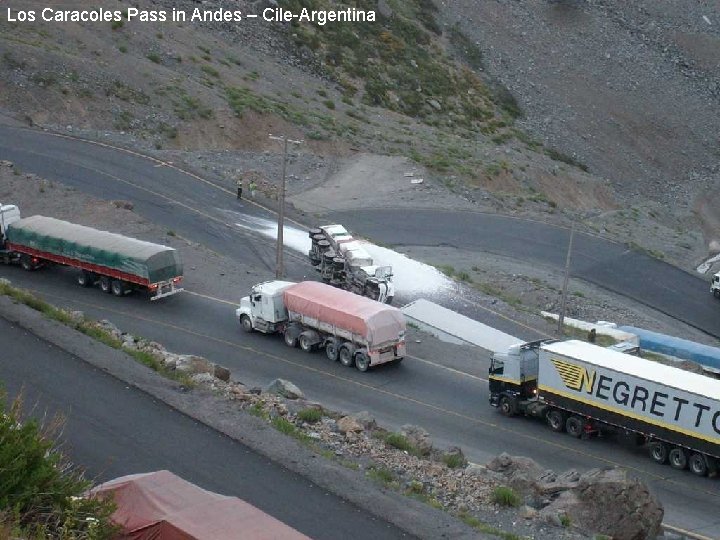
[[279, 270], [561, 317]]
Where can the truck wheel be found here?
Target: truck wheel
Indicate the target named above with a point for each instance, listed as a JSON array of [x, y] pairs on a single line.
[[658, 452], [389, 300], [556, 420], [117, 287], [678, 458], [698, 464], [574, 426], [246, 323], [26, 263], [507, 406], [305, 343], [716, 292], [345, 355], [85, 278], [362, 362], [290, 339], [331, 350], [105, 284]]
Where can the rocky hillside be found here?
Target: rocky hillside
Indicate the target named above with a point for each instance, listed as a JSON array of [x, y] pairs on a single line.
[[595, 112]]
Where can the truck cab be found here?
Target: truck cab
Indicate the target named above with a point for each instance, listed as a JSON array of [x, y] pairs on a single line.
[[513, 375], [264, 309], [9, 214], [715, 285]]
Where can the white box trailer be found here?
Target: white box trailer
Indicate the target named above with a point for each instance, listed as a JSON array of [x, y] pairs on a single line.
[[586, 390]]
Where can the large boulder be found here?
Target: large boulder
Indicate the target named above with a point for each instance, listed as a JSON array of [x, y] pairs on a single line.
[[417, 437], [284, 388], [609, 502], [520, 473]]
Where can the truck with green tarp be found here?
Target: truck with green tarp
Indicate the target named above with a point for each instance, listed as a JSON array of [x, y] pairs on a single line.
[[117, 263]]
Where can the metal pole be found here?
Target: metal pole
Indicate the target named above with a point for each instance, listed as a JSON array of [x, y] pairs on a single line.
[[561, 317], [279, 269], [281, 217]]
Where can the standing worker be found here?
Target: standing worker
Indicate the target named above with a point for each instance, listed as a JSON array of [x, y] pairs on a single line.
[[253, 188], [240, 182]]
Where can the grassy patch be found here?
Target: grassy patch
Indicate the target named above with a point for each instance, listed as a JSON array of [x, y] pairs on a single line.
[[383, 475], [311, 416], [154, 58], [453, 461], [475, 523], [505, 496]]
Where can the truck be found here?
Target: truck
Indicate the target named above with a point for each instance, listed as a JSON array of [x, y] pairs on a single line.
[[344, 263], [352, 329], [117, 263], [587, 390], [715, 285]]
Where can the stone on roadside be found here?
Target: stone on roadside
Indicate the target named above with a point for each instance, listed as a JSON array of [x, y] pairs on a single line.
[[348, 424], [284, 388], [417, 437], [221, 372], [366, 420]]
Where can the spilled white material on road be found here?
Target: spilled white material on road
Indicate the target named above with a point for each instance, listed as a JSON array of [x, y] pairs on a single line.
[[704, 267], [409, 276]]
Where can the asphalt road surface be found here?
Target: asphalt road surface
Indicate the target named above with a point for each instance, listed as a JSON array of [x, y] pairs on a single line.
[[440, 387], [114, 430], [444, 393]]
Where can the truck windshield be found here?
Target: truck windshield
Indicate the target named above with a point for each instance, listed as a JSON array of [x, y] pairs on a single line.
[[496, 367]]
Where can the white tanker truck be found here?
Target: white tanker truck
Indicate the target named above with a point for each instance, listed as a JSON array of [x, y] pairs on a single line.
[[344, 263]]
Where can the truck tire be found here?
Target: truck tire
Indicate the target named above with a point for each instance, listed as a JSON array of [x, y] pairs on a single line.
[[678, 458], [290, 338], [26, 263], [85, 278], [556, 420], [105, 284], [345, 355], [574, 426], [331, 350], [716, 292], [389, 300], [246, 323], [305, 343], [507, 406], [658, 452], [118, 287], [362, 362], [697, 463]]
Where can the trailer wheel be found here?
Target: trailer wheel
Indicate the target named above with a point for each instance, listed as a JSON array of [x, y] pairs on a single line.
[[105, 284], [678, 458], [698, 464], [26, 263], [85, 278], [658, 452], [290, 338], [507, 406], [305, 343], [118, 288], [362, 362], [345, 355], [331, 350], [246, 323], [574, 426], [556, 420]]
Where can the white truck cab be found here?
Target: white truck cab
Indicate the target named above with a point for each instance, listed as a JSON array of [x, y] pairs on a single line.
[[9, 213], [265, 308], [715, 285]]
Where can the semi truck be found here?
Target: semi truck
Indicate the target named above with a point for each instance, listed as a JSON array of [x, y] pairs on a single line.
[[312, 315], [344, 263], [586, 390], [118, 264]]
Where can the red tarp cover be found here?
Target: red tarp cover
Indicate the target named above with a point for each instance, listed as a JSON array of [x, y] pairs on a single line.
[[162, 506], [377, 323]]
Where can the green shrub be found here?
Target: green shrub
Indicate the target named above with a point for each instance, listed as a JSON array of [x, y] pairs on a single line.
[[153, 57], [398, 441], [40, 487], [381, 474], [454, 461], [311, 416], [505, 496]]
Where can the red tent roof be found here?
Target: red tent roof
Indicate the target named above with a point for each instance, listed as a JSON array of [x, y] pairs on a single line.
[[162, 506]]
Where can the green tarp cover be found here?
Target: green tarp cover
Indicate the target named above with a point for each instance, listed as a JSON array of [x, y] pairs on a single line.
[[144, 259]]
